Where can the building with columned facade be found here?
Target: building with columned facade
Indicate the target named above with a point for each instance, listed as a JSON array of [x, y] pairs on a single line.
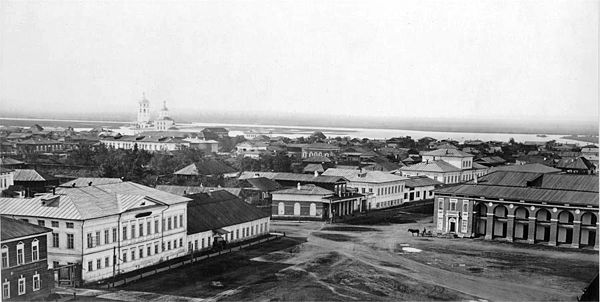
[[551, 209]]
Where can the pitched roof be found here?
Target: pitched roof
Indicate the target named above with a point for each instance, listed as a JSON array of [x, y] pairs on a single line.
[[432, 166], [521, 193], [570, 182], [313, 168], [317, 159], [535, 168], [13, 228], [208, 166], [309, 189], [263, 184], [251, 174], [94, 181], [187, 190], [364, 176], [10, 161], [31, 175], [447, 152], [307, 178], [218, 209], [421, 181], [88, 202], [579, 163], [322, 146]]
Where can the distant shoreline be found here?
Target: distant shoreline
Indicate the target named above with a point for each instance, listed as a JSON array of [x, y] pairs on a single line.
[[250, 125]]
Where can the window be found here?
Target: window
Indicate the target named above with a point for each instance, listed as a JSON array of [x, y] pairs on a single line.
[[180, 242], [70, 241], [465, 206], [124, 233], [55, 240], [203, 239], [156, 248], [70, 225], [107, 261], [156, 226], [453, 204], [169, 223], [124, 258], [35, 250], [20, 253], [4, 256], [175, 222], [132, 231], [21, 285], [141, 229], [90, 266], [114, 235], [169, 245], [196, 244], [149, 227], [132, 254], [180, 221], [106, 237], [148, 249], [141, 252], [98, 263], [6, 289], [237, 235], [54, 224], [41, 223], [163, 225], [89, 240], [440, 204]]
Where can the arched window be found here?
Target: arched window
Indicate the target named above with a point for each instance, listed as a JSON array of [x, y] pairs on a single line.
[[296, 209], [588, 219], [521, 213], [565, 217], [281, 208], [542, 215], [313, 209], [20, 253]]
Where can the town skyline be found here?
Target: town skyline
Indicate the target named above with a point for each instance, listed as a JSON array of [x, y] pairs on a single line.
[[467, 61]]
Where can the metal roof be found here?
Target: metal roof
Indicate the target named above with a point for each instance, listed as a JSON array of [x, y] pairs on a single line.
[[13, 229], [94, 181], [210, 211], [536, 168], [309, 189], [447, 152], [206, 167], [364, 176], [30, 175], [521, 193], [421, 181], [187, 190], [87, 202], [432, 166]]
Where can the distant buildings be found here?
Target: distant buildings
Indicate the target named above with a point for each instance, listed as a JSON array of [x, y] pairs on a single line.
[[158, 142], [312, 202], [25, 274], [319, 149], [383, 190], [448, 166], [252, 149], [420, 188], [554, 209], [162, 123]]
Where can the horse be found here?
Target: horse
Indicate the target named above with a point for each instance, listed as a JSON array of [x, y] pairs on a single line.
[[414, 231]]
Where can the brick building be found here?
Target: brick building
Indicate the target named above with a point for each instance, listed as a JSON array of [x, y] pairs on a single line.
[[552, 209], [25, 274]]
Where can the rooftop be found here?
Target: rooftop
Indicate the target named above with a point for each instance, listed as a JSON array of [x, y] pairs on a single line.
[[210, 211], [187, 190], [206, 167], [13, 229], [91, 181], [432, 166], [364, 176], [309, 189], [447, 152], [30, 175], [535, 168], [421, 181]]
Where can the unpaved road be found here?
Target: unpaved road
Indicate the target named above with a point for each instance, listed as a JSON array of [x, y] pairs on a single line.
[[340, 263]]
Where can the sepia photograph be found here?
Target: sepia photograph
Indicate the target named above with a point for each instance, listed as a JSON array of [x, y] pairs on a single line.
[[299, 150]]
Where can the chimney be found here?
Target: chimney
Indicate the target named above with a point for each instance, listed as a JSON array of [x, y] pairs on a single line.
[[89, 184], [53, 190], [299, 187], [316, 173]]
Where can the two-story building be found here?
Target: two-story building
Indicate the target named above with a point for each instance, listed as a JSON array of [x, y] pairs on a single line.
[[449, 166], [106, 229], [320, 149], [384, 189], [25, 274], [552, 209]]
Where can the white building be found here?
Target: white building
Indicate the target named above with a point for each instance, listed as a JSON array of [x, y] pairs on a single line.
[[143, 114], [164, 122], [251, 149], [6, 178], [121, 226], [420, 188], [449, 166], [383, 189], [148, 143]]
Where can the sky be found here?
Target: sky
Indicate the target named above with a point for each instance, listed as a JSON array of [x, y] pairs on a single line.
[[519, 60]]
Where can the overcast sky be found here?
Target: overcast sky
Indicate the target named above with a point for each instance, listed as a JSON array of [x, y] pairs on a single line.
[[472, 59]]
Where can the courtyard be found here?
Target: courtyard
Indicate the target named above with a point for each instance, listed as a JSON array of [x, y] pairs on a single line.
[[379, 260]]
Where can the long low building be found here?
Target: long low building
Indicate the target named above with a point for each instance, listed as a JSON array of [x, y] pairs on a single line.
[[553, 209], [154, 143], [222, 214]]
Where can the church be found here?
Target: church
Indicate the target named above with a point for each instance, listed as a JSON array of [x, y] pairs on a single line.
[[163, 123]]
